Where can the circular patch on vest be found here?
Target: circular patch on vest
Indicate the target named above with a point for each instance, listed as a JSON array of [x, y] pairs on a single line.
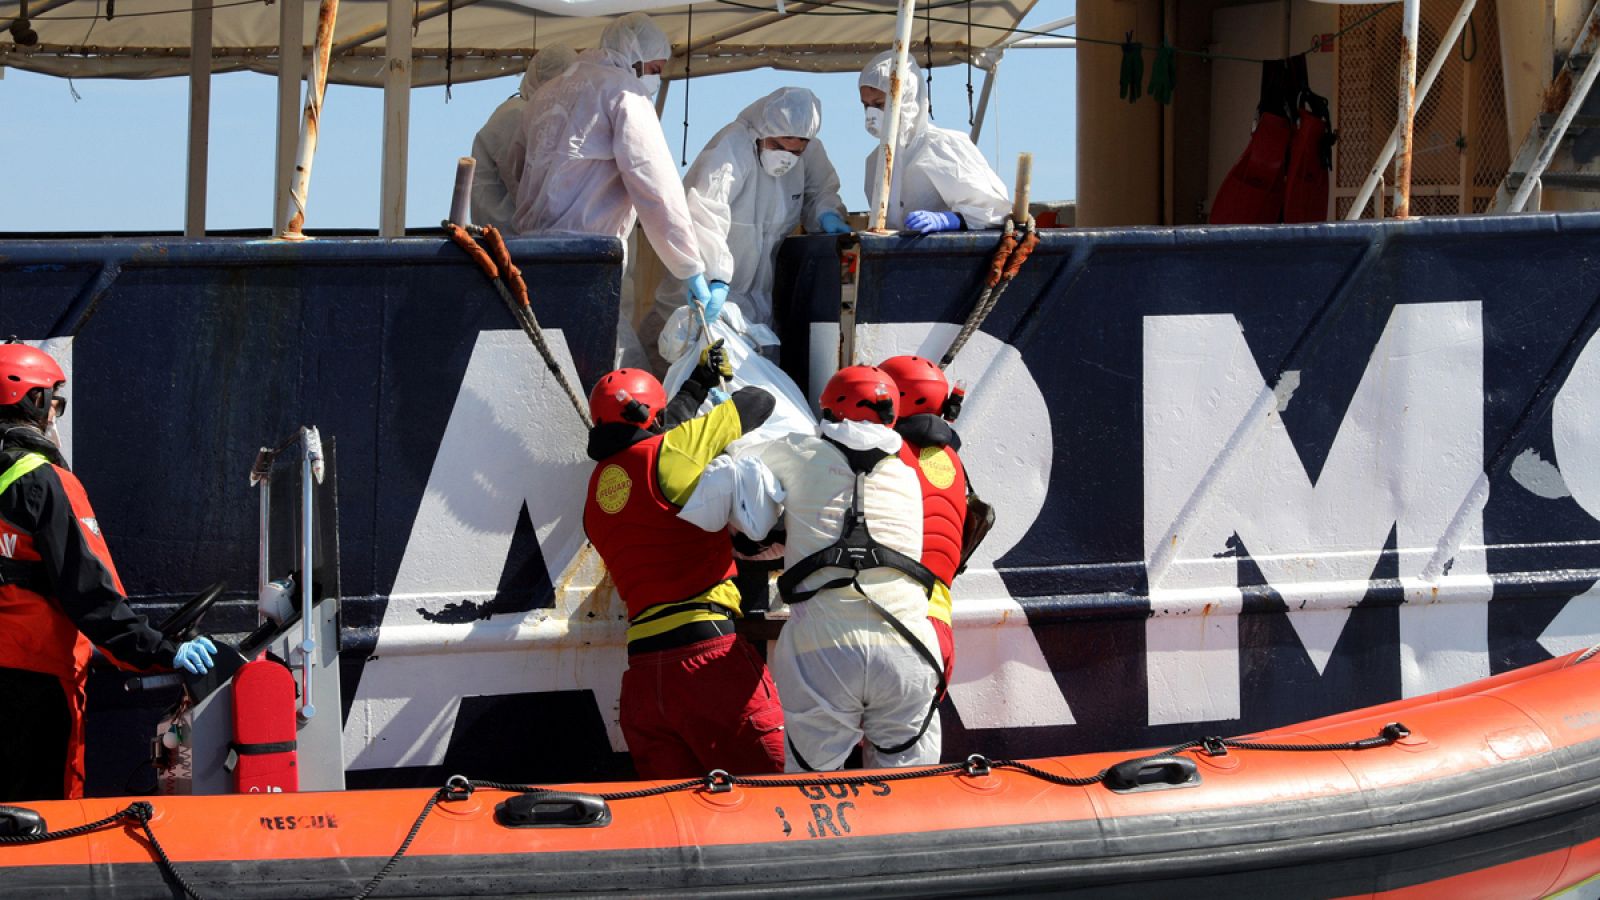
[[612, 489], [937, 467]]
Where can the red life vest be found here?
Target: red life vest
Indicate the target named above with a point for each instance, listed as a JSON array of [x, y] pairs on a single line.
[[35, 635], [944, 505], [654, 556]]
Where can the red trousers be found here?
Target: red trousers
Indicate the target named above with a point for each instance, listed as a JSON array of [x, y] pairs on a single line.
[[708, 705]]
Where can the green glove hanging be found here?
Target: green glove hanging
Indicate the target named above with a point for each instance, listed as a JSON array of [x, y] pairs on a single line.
[[1163, 75], [1132, 69]]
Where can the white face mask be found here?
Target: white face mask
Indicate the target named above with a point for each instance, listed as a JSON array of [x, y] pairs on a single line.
[[777, 162], [875, 121], [652, 84]]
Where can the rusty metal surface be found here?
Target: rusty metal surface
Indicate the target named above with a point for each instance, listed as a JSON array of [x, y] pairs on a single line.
[[327, 16], [1408, 110]]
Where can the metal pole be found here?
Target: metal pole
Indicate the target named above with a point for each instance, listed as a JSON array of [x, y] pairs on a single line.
[[264, 552], [291, 69], [1408, 107], [194, 207], [1440, 56], [983, 98], [661, 97], [308, 643], [422, 15], [891, 134], [327, 14], [396, 121]]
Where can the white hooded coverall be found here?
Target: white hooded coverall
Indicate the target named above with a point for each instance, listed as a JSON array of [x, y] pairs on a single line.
[[937, 169], [498, 146], [842, 672], [741, 214], [596, 157]]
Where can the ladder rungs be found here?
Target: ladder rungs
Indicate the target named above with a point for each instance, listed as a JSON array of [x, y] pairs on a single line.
[[1547, 121], [1560, 181]]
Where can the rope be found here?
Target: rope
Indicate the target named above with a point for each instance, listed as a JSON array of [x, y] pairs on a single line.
[[405, 845], [1007, 261], [971, 117], [449, 45], [515, 297], [459, 787], [927, 57], [688, 61], [140, 813]]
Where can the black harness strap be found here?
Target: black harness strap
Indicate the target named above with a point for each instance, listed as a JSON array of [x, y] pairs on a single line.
[[857, 551], [30, 576], [262, 749]]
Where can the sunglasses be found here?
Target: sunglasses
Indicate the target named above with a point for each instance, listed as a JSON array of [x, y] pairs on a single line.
[[59, 404]]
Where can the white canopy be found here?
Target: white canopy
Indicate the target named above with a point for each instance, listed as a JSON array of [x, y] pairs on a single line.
[[489, 38]]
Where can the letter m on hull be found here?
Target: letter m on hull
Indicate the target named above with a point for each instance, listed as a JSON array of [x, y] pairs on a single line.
[[1221, 472]]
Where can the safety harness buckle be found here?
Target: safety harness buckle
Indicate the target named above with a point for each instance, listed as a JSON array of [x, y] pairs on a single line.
[[718, 781]]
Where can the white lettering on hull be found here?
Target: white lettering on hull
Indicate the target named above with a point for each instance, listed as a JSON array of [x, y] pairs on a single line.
[[1219, 462], [512, 439]]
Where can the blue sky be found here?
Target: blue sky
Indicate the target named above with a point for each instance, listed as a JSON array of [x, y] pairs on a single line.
[[114, 160]]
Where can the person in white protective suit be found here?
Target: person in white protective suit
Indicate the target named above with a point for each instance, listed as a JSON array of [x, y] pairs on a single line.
[[498, 145], [857, 658], [940, 181], [597, 161], [758, 179]]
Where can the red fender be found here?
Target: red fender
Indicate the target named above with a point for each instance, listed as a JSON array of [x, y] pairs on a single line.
[[264, 729], [1305, 197], [1252, 194]]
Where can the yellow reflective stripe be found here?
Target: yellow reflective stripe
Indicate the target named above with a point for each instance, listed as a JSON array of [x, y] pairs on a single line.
[[939, 602], [724, 595], [687, 449], [21, 467]]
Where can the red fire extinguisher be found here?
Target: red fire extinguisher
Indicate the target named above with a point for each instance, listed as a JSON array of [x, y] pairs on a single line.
[[264, 759]]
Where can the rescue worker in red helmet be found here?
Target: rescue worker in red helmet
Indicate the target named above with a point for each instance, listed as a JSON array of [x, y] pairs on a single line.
[[59, 592], [856, 658], [931, 448], [696, 695]]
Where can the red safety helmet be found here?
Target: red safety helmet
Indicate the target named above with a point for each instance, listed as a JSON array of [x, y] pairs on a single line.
[[861, 394], [28, 380], [923, 388], [633, 396]]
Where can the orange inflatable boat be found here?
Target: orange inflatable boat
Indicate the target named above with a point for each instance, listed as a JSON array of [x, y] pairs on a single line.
[[1490, 790]]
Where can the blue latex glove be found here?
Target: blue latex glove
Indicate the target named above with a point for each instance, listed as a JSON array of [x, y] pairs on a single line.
[[699, 291], [194, 656], [927, 221], [708, 297], [833, 223], [719, 296], [718, 395]]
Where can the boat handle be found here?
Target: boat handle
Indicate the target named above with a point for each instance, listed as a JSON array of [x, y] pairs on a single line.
[[553, 809], [1152, 773]]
